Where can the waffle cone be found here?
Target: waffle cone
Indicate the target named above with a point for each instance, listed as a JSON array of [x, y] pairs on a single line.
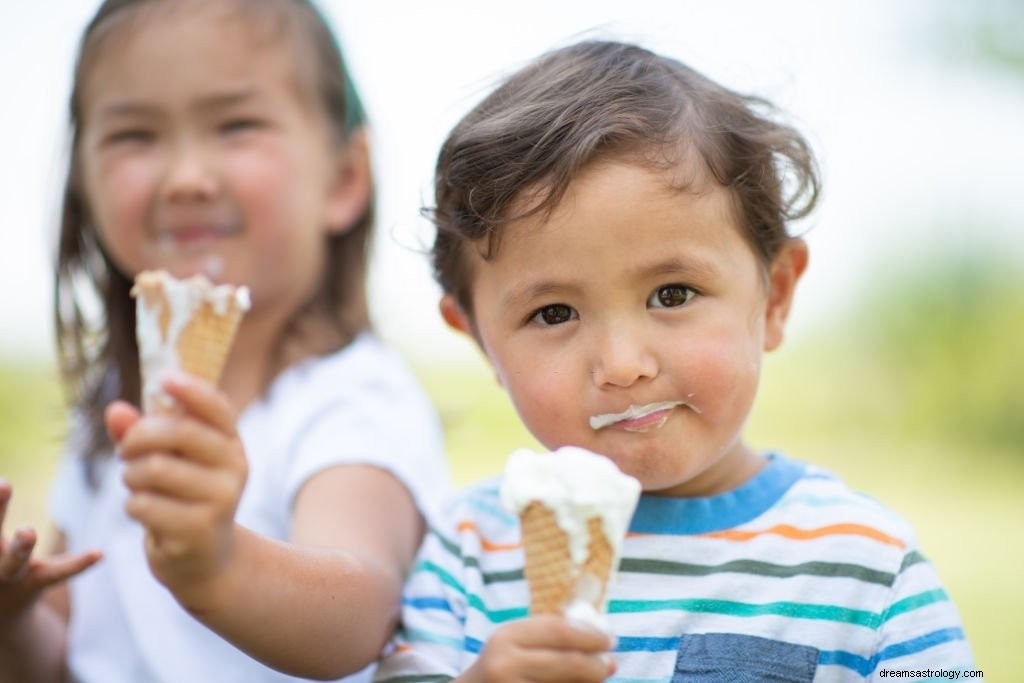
[[205, 341], [553, 579]]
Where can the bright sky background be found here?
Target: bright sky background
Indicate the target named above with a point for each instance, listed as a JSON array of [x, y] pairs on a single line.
[[916, 147]]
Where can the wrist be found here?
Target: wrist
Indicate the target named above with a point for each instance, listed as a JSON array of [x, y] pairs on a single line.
[[209, 592]]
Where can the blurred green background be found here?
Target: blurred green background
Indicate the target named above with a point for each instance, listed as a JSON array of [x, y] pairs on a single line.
[[914, 397]]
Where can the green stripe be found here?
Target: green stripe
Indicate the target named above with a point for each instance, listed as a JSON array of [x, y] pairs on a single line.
[[451, 546], [826, 569], [796, 610], [497, 616], [418, 635], [911, 558], [441, 573], [913, 602], [508, 576]]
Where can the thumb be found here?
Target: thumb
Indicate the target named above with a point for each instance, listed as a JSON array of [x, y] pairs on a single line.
[[120, 416]]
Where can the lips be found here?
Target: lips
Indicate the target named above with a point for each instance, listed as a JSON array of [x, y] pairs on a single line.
[[637, 417], [194, 235]]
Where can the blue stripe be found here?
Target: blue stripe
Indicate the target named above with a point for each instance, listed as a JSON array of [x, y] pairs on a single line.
[[473, 645], [428, 603], [664, 515], [639, 644], [849, 660], [929, 640], [865, 666]]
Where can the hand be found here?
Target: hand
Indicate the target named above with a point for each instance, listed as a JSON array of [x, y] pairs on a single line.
[[540, 649], [23, 578], [185, 474]]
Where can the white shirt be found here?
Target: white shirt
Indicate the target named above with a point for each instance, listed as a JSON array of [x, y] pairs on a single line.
[[360, 405]]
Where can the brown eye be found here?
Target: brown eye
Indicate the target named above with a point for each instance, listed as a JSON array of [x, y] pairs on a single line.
[[671, 296], [555, 314]]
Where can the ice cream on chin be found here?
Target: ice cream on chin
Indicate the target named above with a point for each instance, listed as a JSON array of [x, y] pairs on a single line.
[[185, 325], [575, 507]]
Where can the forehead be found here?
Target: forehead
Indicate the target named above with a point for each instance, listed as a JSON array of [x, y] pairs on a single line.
[[629, 189], [193, 42]]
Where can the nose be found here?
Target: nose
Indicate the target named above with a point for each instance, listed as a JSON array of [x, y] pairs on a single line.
[[624, 356], [190, 174]]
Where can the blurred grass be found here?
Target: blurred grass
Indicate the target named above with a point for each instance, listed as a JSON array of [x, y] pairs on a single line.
[[915, 399]]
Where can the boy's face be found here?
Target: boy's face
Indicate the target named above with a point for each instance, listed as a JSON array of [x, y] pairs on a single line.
[[632, 322]]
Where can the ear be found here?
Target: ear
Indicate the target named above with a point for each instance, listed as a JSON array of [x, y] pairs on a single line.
[[788, 266], [453, 314], [457, 319], [350, 192]]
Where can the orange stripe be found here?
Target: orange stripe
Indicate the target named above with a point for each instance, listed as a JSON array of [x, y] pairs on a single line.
[[796, 534], [489, 546]]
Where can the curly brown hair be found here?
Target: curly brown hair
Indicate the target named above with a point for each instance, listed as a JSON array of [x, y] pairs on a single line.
[[599, 100]]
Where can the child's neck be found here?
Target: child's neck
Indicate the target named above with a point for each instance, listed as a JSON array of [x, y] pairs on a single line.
[[265, 346]]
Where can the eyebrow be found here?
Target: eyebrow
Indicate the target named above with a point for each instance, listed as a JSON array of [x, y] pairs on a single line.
[[521, 295], [694, 267], [213, 102]]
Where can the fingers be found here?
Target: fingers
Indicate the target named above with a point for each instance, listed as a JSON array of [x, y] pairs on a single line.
[[170, 519], [553, 666], [175, 434], [554, 632], [120, 416], [202, 400], [169, 475], [56, 569], [546, 648], [5, 498], [15, 554]]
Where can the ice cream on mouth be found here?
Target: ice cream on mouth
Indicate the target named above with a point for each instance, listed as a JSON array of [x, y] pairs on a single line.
[[184, 325], [575, 507], [635, 412]]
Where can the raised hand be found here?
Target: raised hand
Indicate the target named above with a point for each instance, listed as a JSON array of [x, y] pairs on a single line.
[[25, 576], [185, 473], [541, 649]]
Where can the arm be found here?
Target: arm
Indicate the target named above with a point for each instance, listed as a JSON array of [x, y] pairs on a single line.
[[355, 529], [920, 627], [34, 603]]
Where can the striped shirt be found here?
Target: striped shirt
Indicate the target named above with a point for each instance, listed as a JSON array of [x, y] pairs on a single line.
[[792, 575]]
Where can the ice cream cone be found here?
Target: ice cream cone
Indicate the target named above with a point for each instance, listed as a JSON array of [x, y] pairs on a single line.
[[187, 325], [205, 341], [553, 579], [574, 508]]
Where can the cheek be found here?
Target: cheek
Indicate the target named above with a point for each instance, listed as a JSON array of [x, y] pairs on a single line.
[[119, 195], [722, 376], [541, 393]]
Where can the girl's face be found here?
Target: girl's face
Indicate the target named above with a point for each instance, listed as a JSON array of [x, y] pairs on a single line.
[[632, 322], [202, 149]]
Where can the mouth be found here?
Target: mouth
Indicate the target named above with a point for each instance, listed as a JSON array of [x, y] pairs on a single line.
[[637, 418], [193, 247], [195, 236]]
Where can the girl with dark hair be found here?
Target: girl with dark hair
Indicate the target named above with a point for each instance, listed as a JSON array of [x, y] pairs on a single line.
[[224, 138]]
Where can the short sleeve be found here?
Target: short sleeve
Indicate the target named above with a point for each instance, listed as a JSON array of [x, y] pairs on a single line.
[[347, 431], [431, 641], [362, 406], [921, 627]]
